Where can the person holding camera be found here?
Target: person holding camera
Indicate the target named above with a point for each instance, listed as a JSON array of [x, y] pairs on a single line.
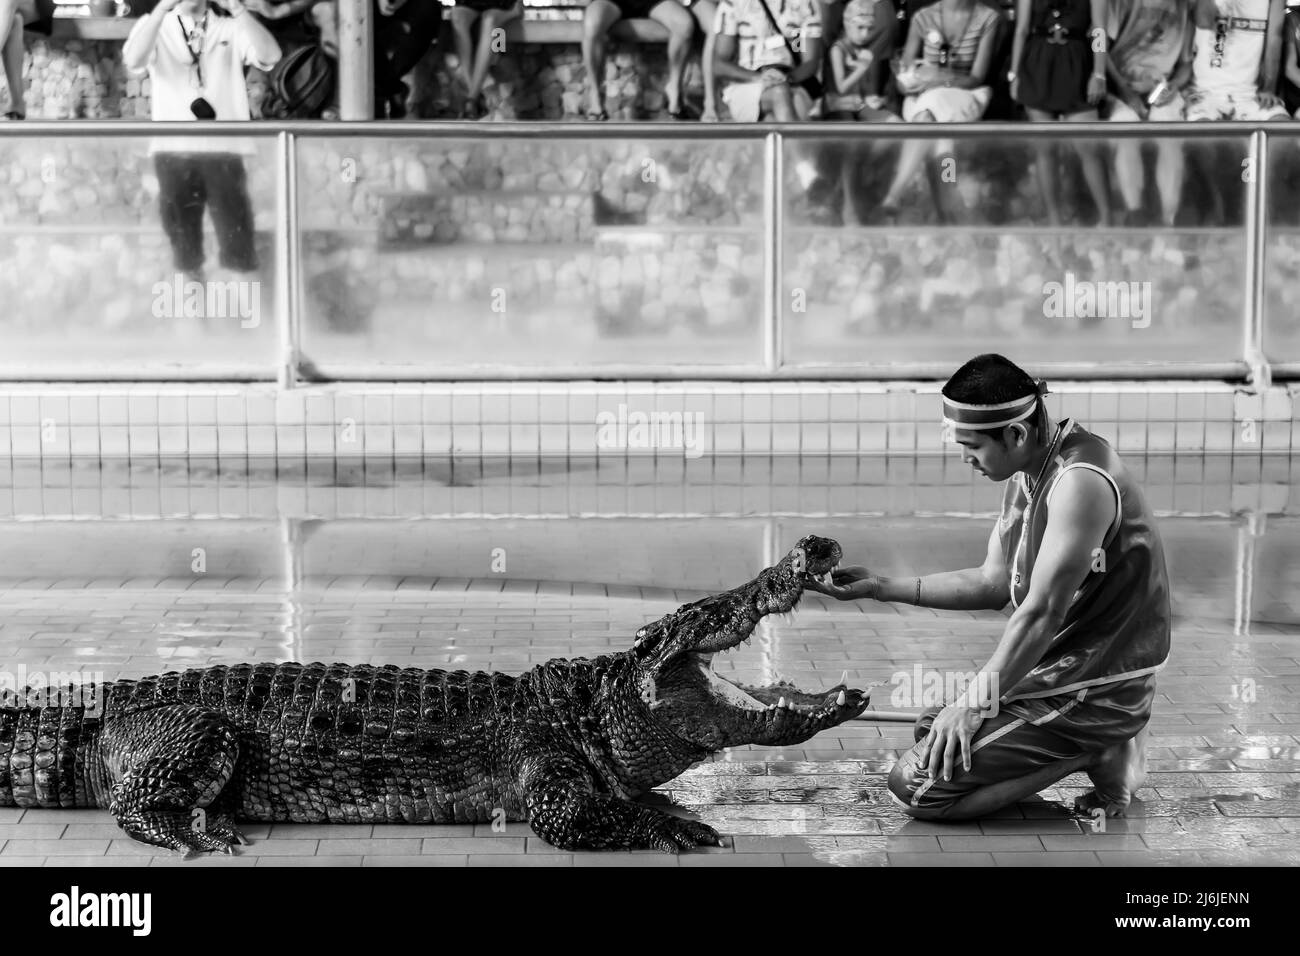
[[195, 52]]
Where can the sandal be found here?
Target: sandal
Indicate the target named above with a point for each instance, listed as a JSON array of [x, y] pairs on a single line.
[[684, 112], [598, 117], [15, 115]]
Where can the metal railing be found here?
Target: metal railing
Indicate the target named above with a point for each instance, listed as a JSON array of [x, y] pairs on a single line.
[[1250, 365]]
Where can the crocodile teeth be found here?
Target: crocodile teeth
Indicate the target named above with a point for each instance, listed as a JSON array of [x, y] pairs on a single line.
[[781, 703], [841, 700], [844, 678]]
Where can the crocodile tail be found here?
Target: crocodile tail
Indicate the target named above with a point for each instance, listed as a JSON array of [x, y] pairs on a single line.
[[46, 738]]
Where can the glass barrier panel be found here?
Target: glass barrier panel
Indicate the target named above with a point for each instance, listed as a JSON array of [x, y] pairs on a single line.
[[93, 281], [444, 253], [1282, 250], [910, 251]]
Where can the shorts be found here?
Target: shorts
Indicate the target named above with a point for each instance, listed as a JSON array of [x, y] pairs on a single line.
[[1026, 735], [635, 9], [483, 5], [1117, 111], [949, 104], [1232, 105], [745, 100]]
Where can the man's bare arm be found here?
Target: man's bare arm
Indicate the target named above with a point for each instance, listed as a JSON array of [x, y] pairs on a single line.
[[972, 589], [985, 588]]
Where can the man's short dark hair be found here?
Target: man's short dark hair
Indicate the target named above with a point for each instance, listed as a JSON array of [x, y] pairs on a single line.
[[991, 379]]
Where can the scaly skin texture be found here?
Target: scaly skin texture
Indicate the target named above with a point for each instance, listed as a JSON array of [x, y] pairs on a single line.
[[566, 746]]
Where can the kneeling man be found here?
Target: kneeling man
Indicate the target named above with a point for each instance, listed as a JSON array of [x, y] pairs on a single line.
[[1076, 553]]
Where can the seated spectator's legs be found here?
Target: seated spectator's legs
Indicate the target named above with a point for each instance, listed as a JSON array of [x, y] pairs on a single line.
[[402, 37], [681, 30], [935, 105], [181, 197], [1129, 172], [494, 19], [599, 16], [1045, 168], [1094, 169], [11, 50], [462, 23]]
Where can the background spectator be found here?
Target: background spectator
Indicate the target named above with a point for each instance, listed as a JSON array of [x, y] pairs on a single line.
[[1058, 72], [404, 32], [475, 60], [1291, 62], [766, 66], [1237, 54], [1149, 66], [857, 90], [196, 62], [600, 15], [943, 71]]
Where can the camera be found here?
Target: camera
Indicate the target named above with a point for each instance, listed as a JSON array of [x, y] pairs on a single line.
[[202, 109]]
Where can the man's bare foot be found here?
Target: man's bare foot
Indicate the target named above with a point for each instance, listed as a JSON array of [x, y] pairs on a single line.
[[1116, 774]]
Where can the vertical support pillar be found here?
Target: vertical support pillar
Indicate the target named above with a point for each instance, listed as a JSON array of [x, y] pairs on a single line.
[[356, 60], [287, 296], [1261, 376], [773, 230]]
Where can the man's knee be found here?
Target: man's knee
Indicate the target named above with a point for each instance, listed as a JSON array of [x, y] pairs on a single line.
[[913, 788]]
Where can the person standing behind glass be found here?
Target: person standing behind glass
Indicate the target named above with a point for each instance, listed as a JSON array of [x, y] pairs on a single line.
[[1058, 71], [196, 63]]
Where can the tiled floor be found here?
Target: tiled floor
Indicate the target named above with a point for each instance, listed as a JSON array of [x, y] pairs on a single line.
[[1224, 752]]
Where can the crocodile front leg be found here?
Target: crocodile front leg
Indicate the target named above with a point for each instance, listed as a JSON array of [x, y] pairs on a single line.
[[566, 809], [168, 766]]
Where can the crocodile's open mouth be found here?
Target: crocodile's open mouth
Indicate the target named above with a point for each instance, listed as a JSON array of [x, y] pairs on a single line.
[[777, 590]]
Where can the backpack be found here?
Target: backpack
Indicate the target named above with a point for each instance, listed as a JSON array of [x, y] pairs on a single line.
[[300, 85]]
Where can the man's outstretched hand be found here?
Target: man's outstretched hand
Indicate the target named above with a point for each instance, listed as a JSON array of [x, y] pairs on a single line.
[[846, 584], [950, 734]]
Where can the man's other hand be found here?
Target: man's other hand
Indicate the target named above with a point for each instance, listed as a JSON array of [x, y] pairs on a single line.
[[950, 734]]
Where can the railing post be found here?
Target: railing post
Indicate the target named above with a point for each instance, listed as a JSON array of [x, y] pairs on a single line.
[[357, 60], [286, 259], [1261, 376], [773, 235]]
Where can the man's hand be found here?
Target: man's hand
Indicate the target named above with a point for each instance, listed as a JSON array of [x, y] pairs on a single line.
[[232, 7], [389, 7], [952, 730], [847, 584], [163, 6]]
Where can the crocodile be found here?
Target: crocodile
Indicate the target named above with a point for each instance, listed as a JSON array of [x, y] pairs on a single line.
[[179, 758]]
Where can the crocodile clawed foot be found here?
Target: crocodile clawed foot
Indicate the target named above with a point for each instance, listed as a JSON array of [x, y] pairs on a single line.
[[674, 834], [223, 827]]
